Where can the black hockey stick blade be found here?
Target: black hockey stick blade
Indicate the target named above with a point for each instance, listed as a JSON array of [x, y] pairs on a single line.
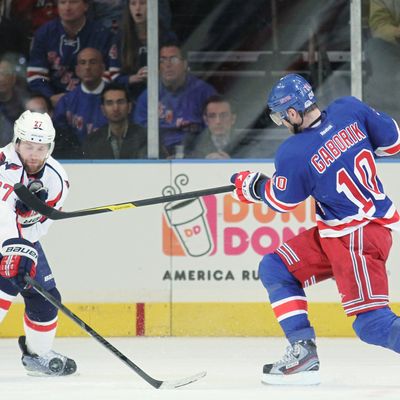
[[172, 384], [36, 204]]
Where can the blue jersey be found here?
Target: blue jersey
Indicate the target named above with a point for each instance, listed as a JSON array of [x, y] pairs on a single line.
[[51, 68], [179, 112], [80, 112], [334, 163]]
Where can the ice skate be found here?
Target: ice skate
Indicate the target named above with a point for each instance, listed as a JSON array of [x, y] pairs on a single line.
[[50, 364], [299, 366]]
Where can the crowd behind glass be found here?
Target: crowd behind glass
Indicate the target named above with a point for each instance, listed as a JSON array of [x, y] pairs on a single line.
[[85, 63]]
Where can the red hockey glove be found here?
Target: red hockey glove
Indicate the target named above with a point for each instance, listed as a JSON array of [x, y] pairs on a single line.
[[245, 182], [18, 258]]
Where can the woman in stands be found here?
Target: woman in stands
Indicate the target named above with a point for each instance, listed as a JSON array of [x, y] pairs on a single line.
[[133, 42]]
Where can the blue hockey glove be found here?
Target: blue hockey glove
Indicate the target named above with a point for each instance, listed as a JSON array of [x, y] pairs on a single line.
[[18, 258]]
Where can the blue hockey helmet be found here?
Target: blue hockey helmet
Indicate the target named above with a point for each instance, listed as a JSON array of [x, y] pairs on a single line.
[[291, 91]]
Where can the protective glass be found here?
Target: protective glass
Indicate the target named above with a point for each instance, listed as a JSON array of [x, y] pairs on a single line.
[[222, 116], [173, 60]]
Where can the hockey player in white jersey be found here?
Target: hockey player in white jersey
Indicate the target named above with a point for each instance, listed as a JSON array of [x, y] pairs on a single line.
[[28, 160]]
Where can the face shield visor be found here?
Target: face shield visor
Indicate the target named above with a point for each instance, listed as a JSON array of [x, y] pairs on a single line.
[[277, 117]]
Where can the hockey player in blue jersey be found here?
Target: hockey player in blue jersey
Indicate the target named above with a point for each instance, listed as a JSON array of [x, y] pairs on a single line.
[[331, 157]]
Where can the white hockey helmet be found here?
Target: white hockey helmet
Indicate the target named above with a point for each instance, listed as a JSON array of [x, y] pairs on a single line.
[[35, 127]]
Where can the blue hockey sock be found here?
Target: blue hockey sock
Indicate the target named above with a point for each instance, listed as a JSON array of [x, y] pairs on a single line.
[[287, 298], [37, 308], [380, 327]]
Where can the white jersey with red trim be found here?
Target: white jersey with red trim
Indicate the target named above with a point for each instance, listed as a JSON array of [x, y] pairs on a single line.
[[334, 163], [54, 179]]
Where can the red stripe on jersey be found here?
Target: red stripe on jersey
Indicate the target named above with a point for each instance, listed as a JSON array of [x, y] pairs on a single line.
[[106, 76], [5, 304], [52, 203], [381, 221], [392, 150], [43, 219], [388, 221], [39, 328], [37, 74], [113, 73], [290, 306], [322, 226], [274, 202]]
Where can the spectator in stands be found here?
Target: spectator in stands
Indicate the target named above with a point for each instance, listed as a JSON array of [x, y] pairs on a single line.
[[56, 45], [38, 103], [78, 113], [34, 13], [181, 99], [109, 12], [11, 94], [6, 131], [120, 138], [9, 99], [133, 45], [13, 39], [218, 140], [383, 54], [384, 20]]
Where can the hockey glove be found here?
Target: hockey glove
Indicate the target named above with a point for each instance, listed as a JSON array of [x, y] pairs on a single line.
[[26, 216], [246, 186], [18, 258]]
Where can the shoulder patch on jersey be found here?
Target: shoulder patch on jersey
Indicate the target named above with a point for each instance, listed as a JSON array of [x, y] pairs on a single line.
[[280, 182], [8, 165]]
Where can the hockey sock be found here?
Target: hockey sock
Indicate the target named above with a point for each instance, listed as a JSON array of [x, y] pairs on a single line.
[[5, 304], [39, 335], [40, 322], [380, 327], [287, 298]]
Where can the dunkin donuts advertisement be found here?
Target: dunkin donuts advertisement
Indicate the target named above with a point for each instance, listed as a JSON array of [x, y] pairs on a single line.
[[194, 250], [217, 241]]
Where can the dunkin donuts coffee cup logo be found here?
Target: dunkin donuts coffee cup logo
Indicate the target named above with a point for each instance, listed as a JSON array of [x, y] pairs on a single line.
[[189, 226]]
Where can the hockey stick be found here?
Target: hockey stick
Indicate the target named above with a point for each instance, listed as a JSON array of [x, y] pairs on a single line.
[[42, 208], [153, 382]]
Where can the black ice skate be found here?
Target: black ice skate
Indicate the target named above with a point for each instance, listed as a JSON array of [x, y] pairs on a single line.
[[50, 364], [299, 366]]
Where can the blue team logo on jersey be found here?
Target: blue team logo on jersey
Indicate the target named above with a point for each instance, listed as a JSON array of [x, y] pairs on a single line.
[[8, 165]]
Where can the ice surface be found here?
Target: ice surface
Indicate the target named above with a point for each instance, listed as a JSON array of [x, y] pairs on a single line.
[[350, 370]]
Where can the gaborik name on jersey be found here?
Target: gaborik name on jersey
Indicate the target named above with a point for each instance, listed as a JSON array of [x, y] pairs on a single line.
[[333, 148]]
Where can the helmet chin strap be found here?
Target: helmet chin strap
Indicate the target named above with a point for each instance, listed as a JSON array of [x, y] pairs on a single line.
[[296, 127]]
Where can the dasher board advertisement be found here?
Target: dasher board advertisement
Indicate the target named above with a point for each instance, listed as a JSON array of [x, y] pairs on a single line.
[[199, 250]]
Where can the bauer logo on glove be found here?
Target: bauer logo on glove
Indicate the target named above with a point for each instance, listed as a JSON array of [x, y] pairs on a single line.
[[18, 258]]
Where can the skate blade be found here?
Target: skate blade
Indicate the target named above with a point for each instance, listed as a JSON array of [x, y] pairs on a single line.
[[37, 374], [301, 378]]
